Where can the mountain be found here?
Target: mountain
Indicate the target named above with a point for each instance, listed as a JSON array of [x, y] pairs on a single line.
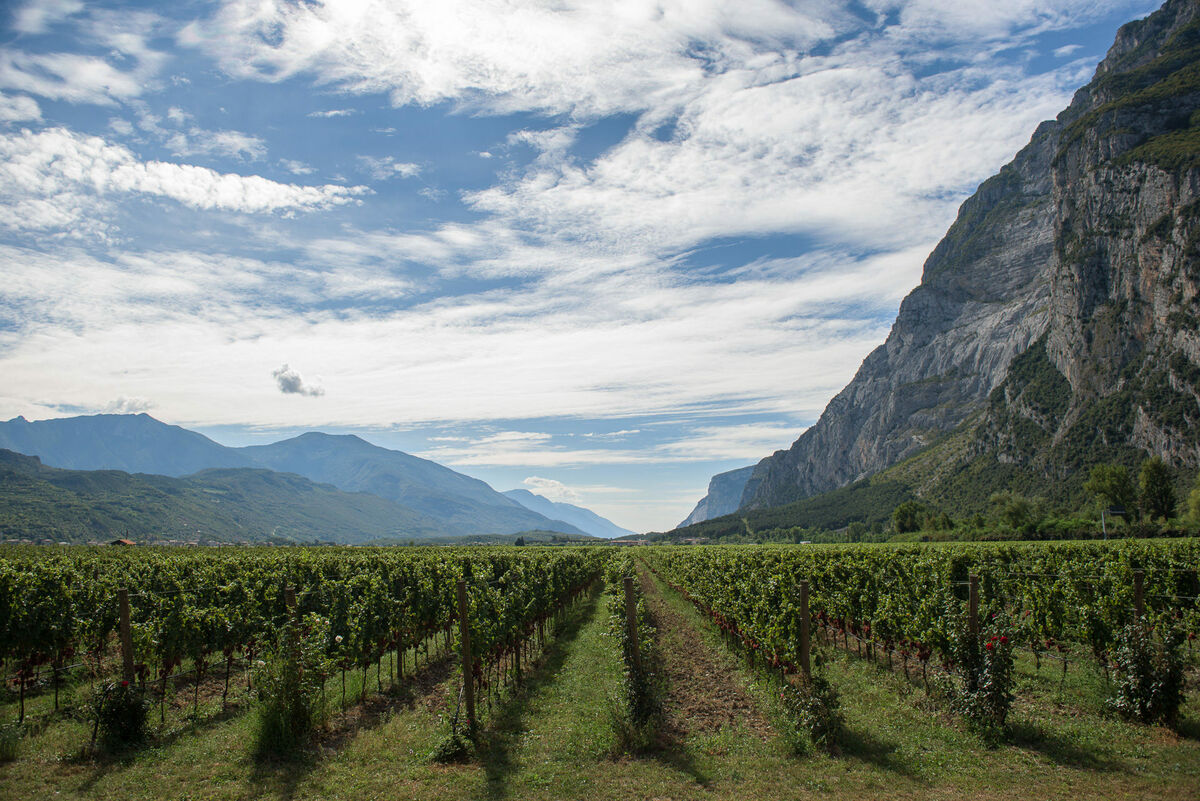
[[1056, 325], [457, 504], [724, 496], [584, 519], [136, 443], [217, 505], [463, 504]]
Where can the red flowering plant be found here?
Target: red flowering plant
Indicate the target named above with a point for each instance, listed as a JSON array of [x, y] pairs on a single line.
[[982, 690]]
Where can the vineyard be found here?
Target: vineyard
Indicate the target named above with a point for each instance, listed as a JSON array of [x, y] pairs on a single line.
[[197, 632]]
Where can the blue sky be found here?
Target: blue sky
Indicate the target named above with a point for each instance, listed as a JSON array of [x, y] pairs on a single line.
[[602, 250]]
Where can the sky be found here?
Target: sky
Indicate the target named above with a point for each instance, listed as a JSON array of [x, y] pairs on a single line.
[[599, 250]]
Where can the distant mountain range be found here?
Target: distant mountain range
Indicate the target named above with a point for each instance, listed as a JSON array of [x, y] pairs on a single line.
[[425, 499], [585, 519], [1056, 326], [41, 503]]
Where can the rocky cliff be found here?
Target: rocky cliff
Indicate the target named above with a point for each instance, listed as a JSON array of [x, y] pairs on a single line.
[[724, 496], [1081, 258]]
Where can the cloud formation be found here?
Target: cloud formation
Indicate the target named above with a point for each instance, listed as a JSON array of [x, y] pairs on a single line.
[[56, 179], [552, 490], [290, 382]]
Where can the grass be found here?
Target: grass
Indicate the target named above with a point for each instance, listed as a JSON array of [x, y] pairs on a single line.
[[552, 739]]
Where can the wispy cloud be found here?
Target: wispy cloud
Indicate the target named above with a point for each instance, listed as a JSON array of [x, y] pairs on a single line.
[[381, 169], [59, 180]]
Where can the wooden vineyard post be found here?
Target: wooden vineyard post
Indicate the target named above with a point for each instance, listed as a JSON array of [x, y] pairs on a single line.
[[973, 605], [1139, 597], [631, 623], [467, 668], [805, 665], [126, 635]]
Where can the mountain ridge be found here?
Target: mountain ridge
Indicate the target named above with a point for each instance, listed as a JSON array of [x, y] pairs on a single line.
[[460, 504], [585, 519]]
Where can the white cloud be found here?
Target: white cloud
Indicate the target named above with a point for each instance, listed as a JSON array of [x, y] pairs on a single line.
[[587, 58], [296, 167], [17, 108], [381, 169], [290, 382], [36, 16], [336, 112], [552, 490], [71, 77], [1066, 50], [56, 179], [123, 405]]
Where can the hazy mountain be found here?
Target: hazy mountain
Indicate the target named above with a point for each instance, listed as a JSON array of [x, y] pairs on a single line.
[[1056, 325], [140, 444], [464, 504], [723, 497], [136, 443], [584, 519], [222, 505]]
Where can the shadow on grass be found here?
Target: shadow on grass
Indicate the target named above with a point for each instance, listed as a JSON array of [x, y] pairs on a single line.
[[281, 775], [498, 741], [1060, 749], [860, 744], [671, 751]]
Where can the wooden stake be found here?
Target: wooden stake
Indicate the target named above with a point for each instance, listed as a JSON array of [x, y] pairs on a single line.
[[973, 605], [468, 672], [805, 665], [126, 636], [1139, 598], [631, 626]]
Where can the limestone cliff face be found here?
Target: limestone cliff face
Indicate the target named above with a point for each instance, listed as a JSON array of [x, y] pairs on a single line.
[[982, 300], [1088, 237], [724, 496]]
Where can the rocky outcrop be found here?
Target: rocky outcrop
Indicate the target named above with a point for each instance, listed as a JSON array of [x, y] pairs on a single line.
[[1088, 237], [724, 496]]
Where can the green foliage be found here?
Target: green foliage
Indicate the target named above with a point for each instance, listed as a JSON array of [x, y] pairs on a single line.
[[1149, 674], [1194, 502], [983, 692], [1156, 489], [1113, 486], [290, 682], [908, 516], [638, 716], [812, 705], [1016, 511], [119, 711], [11, 734]]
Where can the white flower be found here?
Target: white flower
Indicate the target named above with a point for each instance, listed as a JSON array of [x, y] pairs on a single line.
[[337, 638]]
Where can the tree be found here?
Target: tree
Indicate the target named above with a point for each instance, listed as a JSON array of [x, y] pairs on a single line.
[[907, 517], [1157, 497], [1113, 486], [1194, 502], [1020, 513], [520, 542]]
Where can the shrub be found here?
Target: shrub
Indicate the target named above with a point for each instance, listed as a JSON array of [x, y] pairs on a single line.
[[983, 693], [119, 711], [1149, 674], [291, 686], [10, 740], [813, 706]]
